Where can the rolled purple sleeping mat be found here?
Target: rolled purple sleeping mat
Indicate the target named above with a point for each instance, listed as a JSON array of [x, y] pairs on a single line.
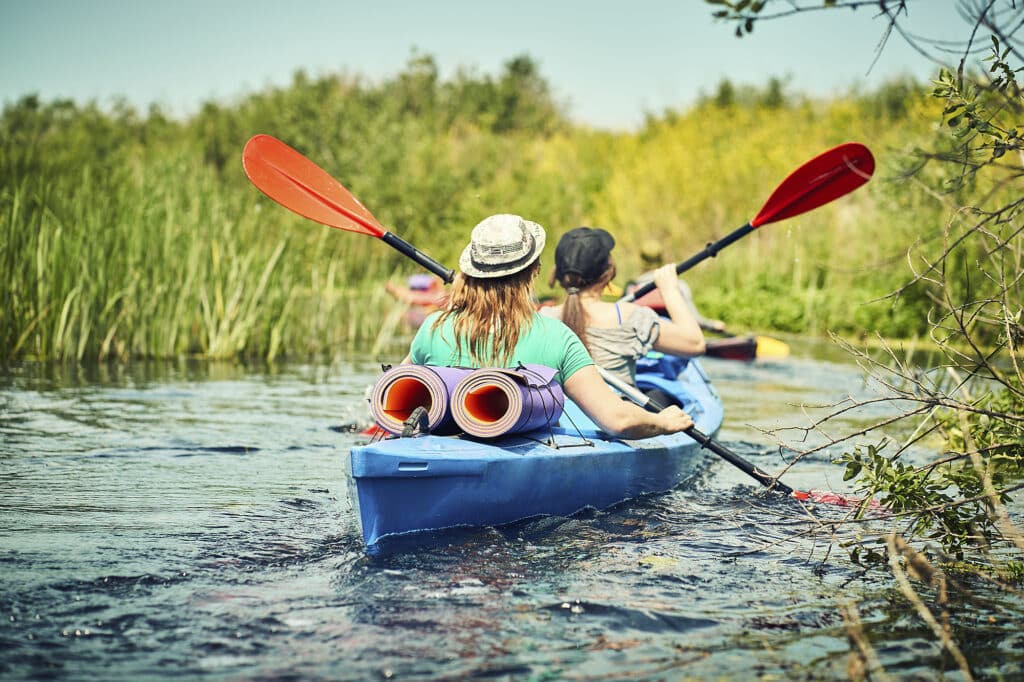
[[403, 388], [488, 403]]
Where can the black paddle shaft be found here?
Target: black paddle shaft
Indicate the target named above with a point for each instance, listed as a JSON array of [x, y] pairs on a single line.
[[706, 441], [410, 251], [710, 251], [765, 479]]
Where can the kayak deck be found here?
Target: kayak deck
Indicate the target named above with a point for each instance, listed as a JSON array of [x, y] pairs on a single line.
[[407, 485]]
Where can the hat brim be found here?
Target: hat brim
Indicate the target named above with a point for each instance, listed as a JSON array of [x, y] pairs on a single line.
[[466, 259]]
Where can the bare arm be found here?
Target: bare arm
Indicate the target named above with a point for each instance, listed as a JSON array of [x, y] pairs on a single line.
[[616, 416], [400, 294], [681, 336]]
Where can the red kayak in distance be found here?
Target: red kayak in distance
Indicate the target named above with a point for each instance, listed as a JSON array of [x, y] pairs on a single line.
[[744, 348]]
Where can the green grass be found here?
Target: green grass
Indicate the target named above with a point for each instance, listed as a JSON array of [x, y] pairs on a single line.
[[129, 237]]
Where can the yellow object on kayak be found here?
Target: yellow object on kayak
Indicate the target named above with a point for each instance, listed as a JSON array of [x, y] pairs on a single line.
[[767, 347], [612, 289]]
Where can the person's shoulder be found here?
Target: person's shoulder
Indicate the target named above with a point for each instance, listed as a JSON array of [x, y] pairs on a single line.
[[551, 326], [639, 315], [547, 321], [628, 309], [426, 327], [633, 308], [553, 312], [431, 318]]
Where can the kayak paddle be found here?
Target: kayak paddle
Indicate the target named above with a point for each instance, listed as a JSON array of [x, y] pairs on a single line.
[[826, 177], [706, 441], [301, 186]]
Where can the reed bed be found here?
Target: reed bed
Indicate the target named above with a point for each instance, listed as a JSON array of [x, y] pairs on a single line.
[[128, 237]]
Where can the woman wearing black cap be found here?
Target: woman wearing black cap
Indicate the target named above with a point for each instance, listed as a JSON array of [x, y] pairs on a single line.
[[489, 320], [617, 334]]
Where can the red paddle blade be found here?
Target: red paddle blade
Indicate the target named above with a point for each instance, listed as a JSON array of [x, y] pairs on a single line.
[[828, 497], [298, 184], [827, 176], [372, 431]]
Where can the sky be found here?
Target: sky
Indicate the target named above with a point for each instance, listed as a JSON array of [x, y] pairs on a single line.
[[609, 62]]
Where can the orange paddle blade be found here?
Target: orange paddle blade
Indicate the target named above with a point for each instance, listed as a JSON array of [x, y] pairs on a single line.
[[298, 184]]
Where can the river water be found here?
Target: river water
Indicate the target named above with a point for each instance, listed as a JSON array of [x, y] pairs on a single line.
[[191, 520]]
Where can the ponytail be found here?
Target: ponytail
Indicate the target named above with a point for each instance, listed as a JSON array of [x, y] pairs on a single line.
[[573, 314]]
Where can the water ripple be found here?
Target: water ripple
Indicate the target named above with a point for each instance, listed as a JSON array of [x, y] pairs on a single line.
[[193, 521]]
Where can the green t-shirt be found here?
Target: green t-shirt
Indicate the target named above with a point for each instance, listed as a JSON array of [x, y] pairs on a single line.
[[547, 342]]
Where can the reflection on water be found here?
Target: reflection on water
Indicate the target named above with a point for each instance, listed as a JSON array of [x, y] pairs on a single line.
[[191, 520]]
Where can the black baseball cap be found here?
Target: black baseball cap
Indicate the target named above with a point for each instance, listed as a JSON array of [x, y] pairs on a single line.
[[584, 251]]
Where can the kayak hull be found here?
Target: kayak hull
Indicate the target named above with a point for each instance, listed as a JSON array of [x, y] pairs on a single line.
[[733, 348], [425, 483]]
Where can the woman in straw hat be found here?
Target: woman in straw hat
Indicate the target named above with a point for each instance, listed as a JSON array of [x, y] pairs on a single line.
[[490, 321], [618, 334]]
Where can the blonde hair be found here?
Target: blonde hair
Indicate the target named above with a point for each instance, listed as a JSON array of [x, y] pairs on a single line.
[[489, 314]]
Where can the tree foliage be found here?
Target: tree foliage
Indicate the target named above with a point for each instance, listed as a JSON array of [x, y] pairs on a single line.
[[969, 276]]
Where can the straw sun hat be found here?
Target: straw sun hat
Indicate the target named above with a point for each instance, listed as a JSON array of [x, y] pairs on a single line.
[[502, 245]]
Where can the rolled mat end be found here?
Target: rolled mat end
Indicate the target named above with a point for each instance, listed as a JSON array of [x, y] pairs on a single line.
[[493, 402], [402, 389]]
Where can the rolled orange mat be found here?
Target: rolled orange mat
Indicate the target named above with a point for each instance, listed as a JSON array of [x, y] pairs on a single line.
[[402, 389], [488, 403]]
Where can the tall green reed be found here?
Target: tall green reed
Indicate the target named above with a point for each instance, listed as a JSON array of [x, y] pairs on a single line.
[[140, 238]]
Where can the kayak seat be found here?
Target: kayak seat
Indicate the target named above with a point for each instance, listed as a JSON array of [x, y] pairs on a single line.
[[668, 366]]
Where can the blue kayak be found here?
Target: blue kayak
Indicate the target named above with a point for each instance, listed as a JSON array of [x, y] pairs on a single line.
[[429, 482]]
